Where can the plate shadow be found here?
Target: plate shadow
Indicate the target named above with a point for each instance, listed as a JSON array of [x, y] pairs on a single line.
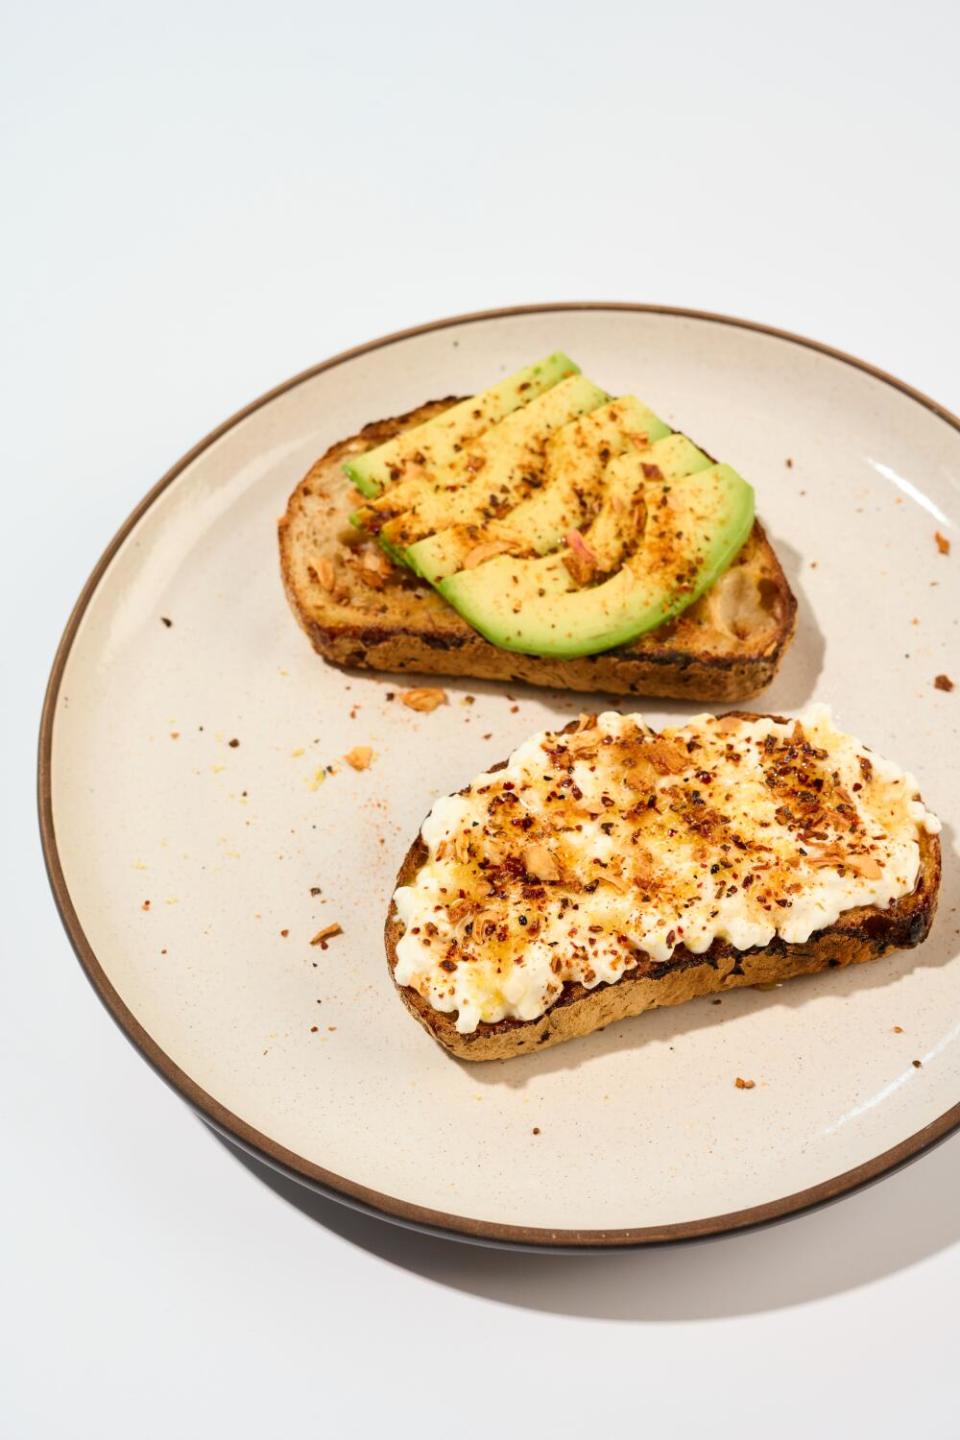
[[887, 1227]]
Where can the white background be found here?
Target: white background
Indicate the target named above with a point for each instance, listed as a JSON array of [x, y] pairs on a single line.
[[199, 200]]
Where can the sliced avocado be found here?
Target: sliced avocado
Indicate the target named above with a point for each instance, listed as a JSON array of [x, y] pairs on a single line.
[[490, 476], [576, 458], [536, 526], [617, 526], [693, 529], [434, 444]]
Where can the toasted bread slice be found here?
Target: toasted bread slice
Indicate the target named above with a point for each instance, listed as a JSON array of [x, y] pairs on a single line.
[[860, 934], [359, 610]]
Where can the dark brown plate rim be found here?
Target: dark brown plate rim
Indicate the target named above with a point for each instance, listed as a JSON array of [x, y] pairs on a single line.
[[339, 1187]]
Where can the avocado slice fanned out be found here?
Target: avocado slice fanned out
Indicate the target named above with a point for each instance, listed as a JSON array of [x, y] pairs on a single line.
[[489, 477], [691, 531], [429, 447], [575, 462]]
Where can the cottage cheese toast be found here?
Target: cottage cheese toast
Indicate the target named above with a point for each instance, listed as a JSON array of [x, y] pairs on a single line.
[[360, 610], [606, 870]]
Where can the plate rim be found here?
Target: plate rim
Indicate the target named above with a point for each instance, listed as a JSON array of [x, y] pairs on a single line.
[[278, 1157]]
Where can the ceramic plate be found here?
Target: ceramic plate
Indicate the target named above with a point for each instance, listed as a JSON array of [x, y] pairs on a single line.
[[194, 850]]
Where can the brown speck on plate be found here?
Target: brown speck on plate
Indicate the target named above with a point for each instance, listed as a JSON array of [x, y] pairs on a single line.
[[742, 1084], [917, 1064], [789, 463], [898, 1029], [314, 889], [145, 905], [359, 758], [535, 1130], [233, 743], [165, 620], [943, 544], [943, 682]]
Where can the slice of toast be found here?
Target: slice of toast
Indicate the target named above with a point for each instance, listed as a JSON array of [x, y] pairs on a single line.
[[860, 934], [359, 610]]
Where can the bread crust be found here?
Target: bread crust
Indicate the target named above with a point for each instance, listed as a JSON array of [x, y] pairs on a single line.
[[727, 646], [860, 934]]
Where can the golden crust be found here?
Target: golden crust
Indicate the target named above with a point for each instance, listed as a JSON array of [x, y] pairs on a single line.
[[862, 934], [727, 646]]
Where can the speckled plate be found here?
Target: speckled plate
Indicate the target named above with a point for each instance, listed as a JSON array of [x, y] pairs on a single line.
[[194, 849]]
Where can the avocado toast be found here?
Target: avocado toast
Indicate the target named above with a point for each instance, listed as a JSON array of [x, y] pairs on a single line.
[[607, 869], [358, 576]]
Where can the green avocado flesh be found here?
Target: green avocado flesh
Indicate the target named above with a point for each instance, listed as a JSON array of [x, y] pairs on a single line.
[[430, 447], [491, 476], [689, 531], [575, 463]]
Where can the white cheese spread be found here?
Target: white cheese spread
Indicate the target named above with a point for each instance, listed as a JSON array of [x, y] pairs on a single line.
[[600, 852]]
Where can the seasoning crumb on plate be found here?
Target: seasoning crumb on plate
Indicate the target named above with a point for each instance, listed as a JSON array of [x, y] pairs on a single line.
[[943, 682], [359, 758], [898, 1029], [423, 698], [742, 1084], [325, 934], [164, 620], [943, 544]]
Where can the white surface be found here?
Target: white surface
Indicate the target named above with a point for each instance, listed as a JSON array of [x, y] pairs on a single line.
[[201, 200]]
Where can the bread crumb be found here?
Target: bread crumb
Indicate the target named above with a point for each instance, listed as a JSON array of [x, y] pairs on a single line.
[[742, 1084], [943, 544], [327, 933], [359, 758], [898, 1029], [424, 698], [174, 734], [943, 682]]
